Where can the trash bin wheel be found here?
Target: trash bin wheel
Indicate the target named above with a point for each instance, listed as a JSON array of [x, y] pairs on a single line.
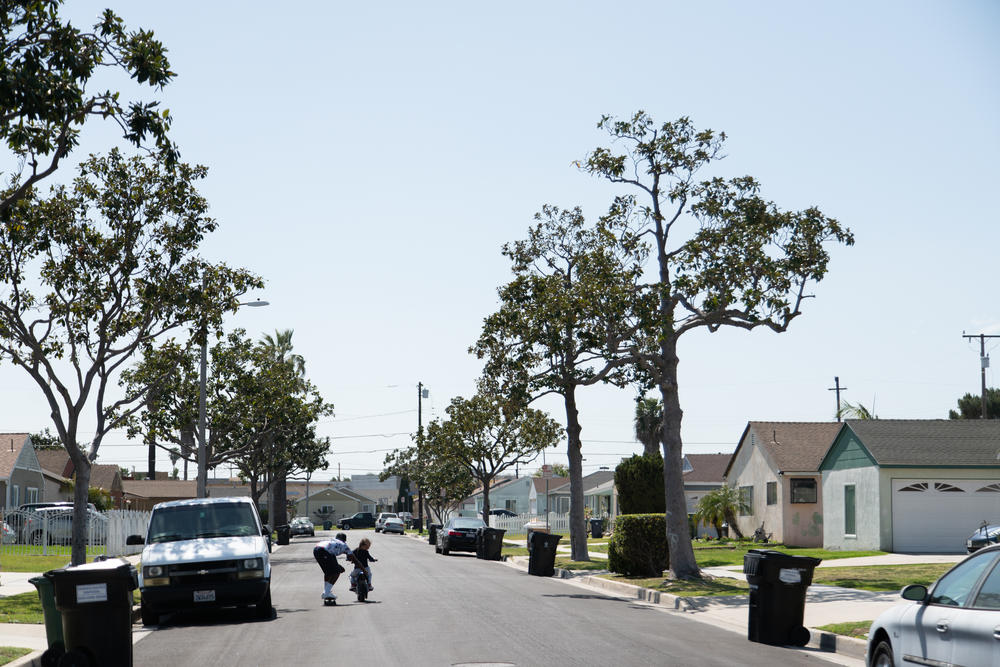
[[149, 617], [52, 654], [77, 658], [798, 636]]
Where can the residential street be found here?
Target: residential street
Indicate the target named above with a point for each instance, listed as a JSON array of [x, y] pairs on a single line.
[[429, 609]]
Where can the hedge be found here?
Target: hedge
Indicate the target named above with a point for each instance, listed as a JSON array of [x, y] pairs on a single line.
[[638, 545]]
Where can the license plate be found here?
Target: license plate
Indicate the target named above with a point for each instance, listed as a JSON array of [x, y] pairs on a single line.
[[204, 596]]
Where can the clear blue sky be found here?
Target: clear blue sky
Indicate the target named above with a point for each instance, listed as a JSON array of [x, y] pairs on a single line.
[[369, 160]]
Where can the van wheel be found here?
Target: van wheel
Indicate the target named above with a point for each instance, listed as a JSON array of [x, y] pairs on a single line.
[[149, 617], [263, 608]]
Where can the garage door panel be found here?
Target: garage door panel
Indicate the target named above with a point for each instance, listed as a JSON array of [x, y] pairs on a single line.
[[937, 515]]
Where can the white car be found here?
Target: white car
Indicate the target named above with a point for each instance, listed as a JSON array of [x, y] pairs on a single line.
[[204, 553], [380, 521], [956, 622]]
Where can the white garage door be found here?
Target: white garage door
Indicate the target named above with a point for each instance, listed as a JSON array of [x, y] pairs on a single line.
[[938, 515]]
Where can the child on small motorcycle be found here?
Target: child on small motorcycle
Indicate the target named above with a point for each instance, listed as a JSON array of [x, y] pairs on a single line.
[[361, 558]]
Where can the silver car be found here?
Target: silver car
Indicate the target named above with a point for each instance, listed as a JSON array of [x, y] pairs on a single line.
[[956, 622], [393, 525]]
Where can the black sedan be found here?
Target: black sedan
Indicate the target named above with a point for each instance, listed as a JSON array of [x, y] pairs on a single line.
[[984, 536], [459, 534]]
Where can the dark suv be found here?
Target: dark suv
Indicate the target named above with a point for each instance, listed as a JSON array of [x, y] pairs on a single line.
[[359, 520]]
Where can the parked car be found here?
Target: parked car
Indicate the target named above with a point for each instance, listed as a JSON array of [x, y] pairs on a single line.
[[300, 525], [393, 524], [985, 535], [358, 520], [54, 525], [9, 535], [952, 623], [204, 553], [459, 534], [502, 512], [380, 521], [16, 518]]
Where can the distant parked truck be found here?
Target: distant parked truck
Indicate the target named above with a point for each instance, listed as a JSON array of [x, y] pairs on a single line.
[[359, 520]]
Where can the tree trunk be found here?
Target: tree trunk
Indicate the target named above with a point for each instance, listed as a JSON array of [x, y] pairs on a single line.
[[151, 458], [81, 516], [486, 502], [577, 524], [681, 552], [280, 509]]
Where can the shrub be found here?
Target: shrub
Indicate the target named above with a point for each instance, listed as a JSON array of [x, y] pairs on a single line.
[[639, 481], [638, 546]]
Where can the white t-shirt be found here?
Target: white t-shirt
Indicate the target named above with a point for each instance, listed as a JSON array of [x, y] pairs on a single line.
[[336, 547]]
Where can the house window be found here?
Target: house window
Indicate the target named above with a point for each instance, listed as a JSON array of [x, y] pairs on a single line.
[[772, 493], [15, 495], [746, 495], [511, 504], [850, 527], [31, 495], [803, 490]]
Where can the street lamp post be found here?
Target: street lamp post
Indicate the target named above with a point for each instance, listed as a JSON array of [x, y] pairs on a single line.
[[202, 448]]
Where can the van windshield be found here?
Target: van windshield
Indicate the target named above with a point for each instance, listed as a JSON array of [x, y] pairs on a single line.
[[194, 521]]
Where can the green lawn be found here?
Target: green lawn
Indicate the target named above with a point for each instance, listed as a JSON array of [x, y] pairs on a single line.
[[856, 629], [732, 554], [12, 653], [567, 564], [707, 585], [880, 577], [21, 608]]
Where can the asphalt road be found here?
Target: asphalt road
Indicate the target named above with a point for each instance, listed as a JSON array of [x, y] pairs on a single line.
[[429, 609]]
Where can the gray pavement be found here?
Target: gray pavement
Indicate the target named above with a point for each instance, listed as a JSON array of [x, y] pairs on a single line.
[[824, 604]]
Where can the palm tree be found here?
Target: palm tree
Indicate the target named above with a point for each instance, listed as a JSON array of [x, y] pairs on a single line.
[[649, 423], [281, 347], [857, 411], [721, 506]]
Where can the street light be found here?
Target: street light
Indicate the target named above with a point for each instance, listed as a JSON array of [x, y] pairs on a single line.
[[202, 450]]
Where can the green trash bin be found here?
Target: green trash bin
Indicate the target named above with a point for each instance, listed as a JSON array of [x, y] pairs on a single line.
[[53, 619]]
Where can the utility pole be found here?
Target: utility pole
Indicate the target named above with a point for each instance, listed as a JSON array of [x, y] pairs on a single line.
[[837, 388], [421, 394], [984, 363]]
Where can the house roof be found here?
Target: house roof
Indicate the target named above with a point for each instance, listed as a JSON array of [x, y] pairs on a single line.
[[790, 446], [554, 483], [595, 479], [10, 448], [54, 460], [103, 475], [930, 442], [709, 468], [157, 488]]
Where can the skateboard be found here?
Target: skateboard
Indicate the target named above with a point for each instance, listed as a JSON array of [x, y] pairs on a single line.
[[329, 602]]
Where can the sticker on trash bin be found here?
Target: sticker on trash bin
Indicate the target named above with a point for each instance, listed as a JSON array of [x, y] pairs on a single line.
[[789, 576], [91, 593]]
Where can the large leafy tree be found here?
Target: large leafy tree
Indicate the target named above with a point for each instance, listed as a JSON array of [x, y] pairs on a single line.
[[487, 434], [724, 257], [560, 323], [971, 407], [47, 88], [445, 482], [261, 414], [92, 274]]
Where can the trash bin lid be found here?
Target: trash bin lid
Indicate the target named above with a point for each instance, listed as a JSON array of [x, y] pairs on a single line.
[[113, 568]]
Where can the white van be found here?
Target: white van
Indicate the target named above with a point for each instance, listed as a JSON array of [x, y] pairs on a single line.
[[203, 553]]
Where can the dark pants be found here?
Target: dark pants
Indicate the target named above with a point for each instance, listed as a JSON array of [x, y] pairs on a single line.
[[328, 563]]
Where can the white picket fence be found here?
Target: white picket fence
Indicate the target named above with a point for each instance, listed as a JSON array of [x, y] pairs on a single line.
[[121, 524], [49, 533], [558, 523]]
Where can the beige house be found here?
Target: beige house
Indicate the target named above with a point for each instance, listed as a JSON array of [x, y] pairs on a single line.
[[142, 494], [332, 505], [21, 479], [776, 468], [58, 469]]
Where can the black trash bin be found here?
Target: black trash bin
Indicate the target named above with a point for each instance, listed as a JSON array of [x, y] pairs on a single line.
[[778, 584], [432, 533], [95, 601], [418, 525], [327, 525], [284, 534], [489, 543], [542, 553], [597, 527]]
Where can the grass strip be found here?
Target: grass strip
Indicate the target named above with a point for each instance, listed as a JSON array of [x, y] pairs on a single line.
[[855, 629], [12, 653], [21, 608], [880, 577], [706, 585]]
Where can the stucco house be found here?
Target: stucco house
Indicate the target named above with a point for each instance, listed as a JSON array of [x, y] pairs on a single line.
[[331, 504], [776, 468], [21, 479], [142, 494], [58, 469], [542, 497], [703, 473], [910, 485]]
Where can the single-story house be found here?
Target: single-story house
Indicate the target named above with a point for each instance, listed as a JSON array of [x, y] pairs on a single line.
[[598, 491], [104, 476], [776, 468], [142, 494], [910, 485], [330, 504], [555, 495], [703, 473], [21, 479]]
